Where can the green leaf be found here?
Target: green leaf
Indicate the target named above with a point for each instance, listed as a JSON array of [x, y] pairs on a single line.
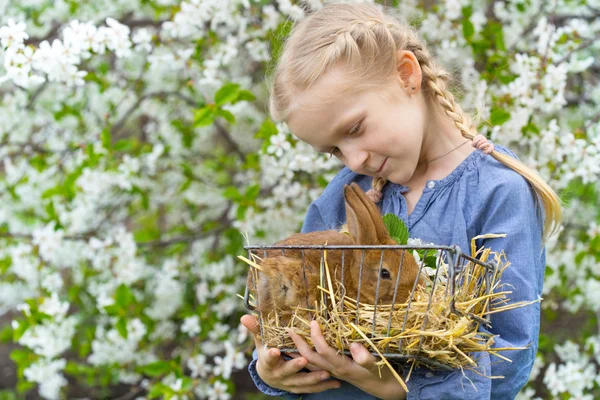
[[277, 38], [431, 262], [187, 132], [8, 395], [203, 117], [241, 212], [245, 95], [122, 327], [468, 29], [38, 162], [5, 264], [467, 11], [187, 384], [123, 296], [267, 129], [228, 93], [20, 330], [125, 145], [232, 193], [106, 137], [6, 334], [55, 191], [20, 356], [252, 192], [113, 309], [160, 390], [229, 117], [396, 227], [155, 369], [69, 182], [24, 386], [499, 116]]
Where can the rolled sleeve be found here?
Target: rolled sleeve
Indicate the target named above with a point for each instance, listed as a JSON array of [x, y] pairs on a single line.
[[262, 386], [513, 209]]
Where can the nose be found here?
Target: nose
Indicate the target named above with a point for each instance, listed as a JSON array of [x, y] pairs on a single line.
[[355, 157]]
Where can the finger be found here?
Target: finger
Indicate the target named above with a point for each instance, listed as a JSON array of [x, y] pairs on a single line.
[[271, 357], [309, 366], [321, 386], [305, 350], [484, 147], [319, 341], [251, 323], [303, 379], [363, 357], [291, 367]]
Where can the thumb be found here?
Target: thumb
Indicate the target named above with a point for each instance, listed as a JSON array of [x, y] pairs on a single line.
[[270, 356], [251, 323], [362, 356]]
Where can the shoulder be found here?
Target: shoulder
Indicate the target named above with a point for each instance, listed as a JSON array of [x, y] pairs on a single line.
[[503, 191], [495, 176], [330, 204]]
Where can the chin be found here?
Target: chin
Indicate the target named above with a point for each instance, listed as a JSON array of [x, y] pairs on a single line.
[[399, 179]]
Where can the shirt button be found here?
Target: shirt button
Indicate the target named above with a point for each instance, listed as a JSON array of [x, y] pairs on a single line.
[[429, 375], [431, 184]]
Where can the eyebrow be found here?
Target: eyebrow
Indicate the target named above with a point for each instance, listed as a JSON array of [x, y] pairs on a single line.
[[343, 126]]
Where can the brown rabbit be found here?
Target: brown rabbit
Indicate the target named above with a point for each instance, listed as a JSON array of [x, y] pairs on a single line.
[[286, 281]]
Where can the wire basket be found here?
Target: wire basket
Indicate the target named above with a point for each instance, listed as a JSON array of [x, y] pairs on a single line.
[[450, 268]]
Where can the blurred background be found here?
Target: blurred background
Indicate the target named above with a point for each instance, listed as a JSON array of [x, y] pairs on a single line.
[[137, 159]]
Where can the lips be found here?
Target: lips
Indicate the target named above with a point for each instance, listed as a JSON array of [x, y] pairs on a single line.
[[380, 168]]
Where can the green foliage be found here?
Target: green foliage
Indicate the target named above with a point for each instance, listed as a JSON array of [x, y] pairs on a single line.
[[277, 39], [397, 228]]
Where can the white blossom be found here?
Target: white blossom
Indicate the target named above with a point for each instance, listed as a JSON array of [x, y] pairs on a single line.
[[218, 391], [191, 326], [13, 34], [47, 374]]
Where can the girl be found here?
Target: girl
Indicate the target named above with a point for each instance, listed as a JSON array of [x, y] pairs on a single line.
[[355, 83]]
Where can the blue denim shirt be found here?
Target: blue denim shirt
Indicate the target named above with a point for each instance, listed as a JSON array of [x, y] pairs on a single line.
[[480, 196]]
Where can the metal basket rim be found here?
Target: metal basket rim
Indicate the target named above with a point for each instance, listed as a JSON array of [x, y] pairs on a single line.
[[452, 248]]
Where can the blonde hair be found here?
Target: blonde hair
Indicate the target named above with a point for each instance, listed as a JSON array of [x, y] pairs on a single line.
[[365, 40]]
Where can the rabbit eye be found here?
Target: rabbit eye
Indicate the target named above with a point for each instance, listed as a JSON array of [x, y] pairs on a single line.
[[385, 274]]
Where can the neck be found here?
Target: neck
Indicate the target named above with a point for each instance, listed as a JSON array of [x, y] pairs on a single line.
[[441, 136]]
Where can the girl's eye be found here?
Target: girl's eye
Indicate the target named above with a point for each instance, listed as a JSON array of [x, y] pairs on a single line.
[[335, 151], [355, 129]]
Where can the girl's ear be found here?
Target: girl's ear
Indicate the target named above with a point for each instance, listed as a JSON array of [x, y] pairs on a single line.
[[363, 218], [409, 71]]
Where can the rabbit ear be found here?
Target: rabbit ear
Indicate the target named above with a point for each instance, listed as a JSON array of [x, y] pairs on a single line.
[[364, 220]]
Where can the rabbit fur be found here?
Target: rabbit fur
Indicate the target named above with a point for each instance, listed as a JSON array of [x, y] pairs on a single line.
[[286, 281]]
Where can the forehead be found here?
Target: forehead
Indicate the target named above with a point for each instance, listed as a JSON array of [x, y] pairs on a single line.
[[331, 101]]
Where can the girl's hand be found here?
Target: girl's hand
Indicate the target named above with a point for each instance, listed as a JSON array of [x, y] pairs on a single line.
[[281, 374], [360, 370]]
